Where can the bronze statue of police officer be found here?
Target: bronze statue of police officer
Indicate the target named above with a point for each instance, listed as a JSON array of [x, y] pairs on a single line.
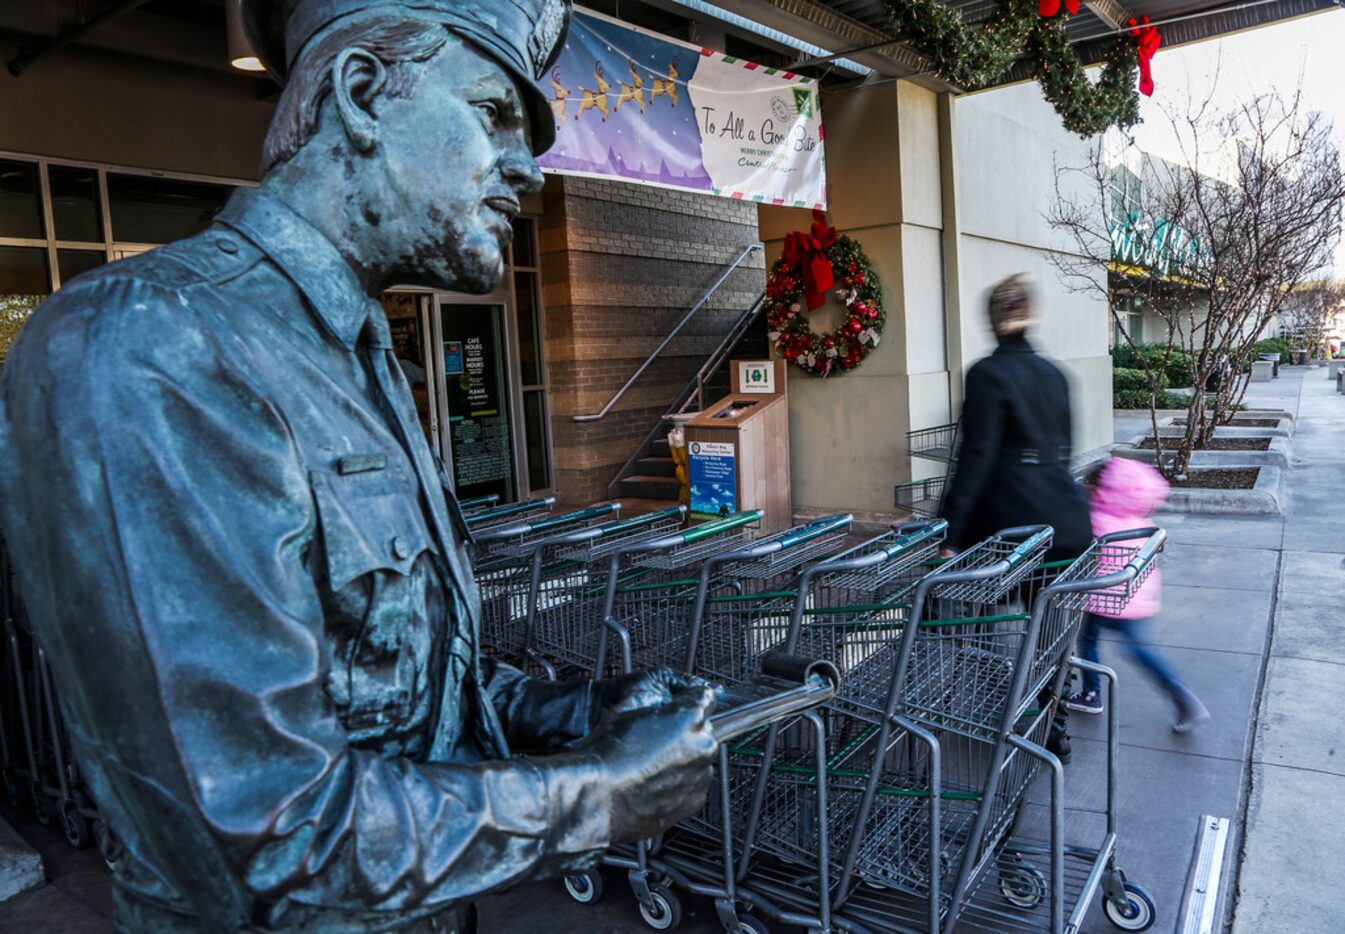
[[235, 544]]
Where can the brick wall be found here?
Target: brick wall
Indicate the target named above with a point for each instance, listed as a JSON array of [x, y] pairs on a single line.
[[621, 264]]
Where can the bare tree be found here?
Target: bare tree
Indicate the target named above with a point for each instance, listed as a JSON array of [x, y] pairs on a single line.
[[1213, 245], [1308, 312], [14, 311]]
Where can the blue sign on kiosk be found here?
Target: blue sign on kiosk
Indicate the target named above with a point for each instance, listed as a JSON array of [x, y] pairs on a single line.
[[714, 479]]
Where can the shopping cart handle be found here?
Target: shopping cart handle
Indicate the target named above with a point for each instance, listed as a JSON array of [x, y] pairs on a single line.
[[513, 509], [649, 518], [490, 499], [581, 515], [816, 688], [1034, 536], [717, 526], [813, 530], [916, 533], [1157, 538]]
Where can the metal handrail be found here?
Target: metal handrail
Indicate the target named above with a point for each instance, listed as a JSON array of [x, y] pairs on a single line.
[[747, 251]]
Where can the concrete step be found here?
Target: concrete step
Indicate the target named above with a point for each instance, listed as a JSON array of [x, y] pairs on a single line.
[[646, 487], [656, 467], [20, 864]]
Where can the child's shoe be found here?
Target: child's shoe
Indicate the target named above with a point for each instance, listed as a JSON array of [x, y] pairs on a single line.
[[1086, 702], [1190, 713]]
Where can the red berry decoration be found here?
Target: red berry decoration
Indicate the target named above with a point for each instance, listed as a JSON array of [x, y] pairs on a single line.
[[796, 341]]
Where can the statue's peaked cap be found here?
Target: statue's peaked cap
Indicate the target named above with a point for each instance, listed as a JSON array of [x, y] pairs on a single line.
[[523, 36]]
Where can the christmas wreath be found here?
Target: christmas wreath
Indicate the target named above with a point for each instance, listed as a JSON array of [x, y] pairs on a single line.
[[812, 264]]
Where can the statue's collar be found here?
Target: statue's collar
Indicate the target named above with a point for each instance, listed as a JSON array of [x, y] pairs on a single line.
[[306, 256]]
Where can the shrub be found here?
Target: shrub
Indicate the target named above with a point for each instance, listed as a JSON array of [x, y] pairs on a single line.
[[1272, 345], [1178, 370], [1124, 379]]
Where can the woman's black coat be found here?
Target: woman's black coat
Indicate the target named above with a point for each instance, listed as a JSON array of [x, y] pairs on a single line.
[[1014, 464]]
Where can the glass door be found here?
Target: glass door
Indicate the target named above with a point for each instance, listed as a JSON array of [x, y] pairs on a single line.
[[478, 445]]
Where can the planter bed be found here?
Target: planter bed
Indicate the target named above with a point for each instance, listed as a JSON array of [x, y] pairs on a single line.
[[1221, 444]]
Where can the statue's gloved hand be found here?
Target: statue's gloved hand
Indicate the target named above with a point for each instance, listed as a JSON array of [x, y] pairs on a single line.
[[625, 693], [657, 763]]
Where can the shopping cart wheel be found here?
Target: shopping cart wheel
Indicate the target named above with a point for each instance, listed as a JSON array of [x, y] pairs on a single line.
[[1136, 914], [750, 925], [76, 826], [41, 806], [1022, 885], [585, 887], [664, 911]]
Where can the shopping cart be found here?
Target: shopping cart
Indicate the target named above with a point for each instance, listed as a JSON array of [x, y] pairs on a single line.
[[36, 762], [498, 544], [478, 504], [929, 865], [573, 627], [545, 573]]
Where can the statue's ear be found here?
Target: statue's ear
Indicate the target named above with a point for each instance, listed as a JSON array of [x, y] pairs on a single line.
[[357, 77]]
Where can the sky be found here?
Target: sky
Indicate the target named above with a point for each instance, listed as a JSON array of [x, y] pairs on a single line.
[[1243, 65]]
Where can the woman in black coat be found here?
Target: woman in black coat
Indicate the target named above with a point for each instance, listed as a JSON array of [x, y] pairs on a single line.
[[1014, 464]]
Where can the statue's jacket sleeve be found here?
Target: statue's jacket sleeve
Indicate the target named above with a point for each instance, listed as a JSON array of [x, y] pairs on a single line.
[[165, 509]]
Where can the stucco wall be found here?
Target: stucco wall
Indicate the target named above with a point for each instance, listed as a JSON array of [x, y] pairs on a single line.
[[1009, 146]]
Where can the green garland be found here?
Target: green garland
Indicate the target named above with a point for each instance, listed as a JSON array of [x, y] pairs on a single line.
[[857, 286], [1084, 107], [970, 58], [976, 57]]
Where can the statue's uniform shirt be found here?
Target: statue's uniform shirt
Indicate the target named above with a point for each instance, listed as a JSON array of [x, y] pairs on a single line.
[[249, 580]]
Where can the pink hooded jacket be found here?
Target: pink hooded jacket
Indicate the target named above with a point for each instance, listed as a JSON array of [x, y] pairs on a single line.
[[1128, 493]]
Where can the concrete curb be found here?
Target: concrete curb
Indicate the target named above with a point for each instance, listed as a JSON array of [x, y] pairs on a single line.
[[1278, 456], [1264, 499]]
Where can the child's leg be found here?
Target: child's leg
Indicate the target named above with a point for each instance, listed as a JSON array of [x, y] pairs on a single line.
[[1088, 650], [1132, 633]]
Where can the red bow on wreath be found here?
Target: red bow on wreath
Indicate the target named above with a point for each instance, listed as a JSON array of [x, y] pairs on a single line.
[[1147, 41], [809, 251], [1049, 8]]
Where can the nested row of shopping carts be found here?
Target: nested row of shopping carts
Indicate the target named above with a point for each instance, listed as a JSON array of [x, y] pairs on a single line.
[[921, 797], [37, 767]]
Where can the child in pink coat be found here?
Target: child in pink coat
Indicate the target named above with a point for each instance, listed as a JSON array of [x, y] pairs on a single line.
[[1126, 494]]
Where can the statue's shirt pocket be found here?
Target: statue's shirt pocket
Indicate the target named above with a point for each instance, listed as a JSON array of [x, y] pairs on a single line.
[[375, 541]]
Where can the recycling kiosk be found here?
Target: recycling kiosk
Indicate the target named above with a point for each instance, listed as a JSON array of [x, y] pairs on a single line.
[[738, 448]]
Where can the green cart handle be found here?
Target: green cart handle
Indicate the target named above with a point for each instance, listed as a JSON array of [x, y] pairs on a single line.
[[476, 502], [635, 522], [814, 529], [1033, 536], [512, 509], [719, 526], [935, 529], [570, 518]]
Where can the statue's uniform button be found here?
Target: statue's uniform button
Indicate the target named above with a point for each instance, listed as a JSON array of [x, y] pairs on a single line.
[[227, 246], [400, 550]]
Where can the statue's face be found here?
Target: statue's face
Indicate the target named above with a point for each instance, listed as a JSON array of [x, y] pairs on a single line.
[[458, 162]]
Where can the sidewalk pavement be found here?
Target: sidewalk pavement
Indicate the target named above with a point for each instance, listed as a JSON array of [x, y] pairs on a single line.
[[1292, 875], [1225, 578]]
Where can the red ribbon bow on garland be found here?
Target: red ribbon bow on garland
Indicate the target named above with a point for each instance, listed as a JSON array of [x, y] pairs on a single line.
[[1049, 8], [809, 251], [1147, 40]]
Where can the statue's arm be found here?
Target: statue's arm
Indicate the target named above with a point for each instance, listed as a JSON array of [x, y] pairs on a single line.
[[173, 516], [539, 715]]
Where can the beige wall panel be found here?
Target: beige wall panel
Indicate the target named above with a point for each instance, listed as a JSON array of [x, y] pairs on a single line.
[[918, 111], [864, 167], [926, 349], [102, 108], [848, 440], [1091, 401]]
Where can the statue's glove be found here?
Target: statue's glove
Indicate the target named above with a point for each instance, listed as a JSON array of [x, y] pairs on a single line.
[[657, 764], [626, 693]]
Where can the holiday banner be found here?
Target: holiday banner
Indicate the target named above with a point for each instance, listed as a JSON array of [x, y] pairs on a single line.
[[634, 105]]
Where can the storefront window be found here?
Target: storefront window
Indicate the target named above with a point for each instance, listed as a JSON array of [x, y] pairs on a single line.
[[159, 210], [73, 262], [20, 202], [23, 285], [74, 204], [539, 450], [529, 340]]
